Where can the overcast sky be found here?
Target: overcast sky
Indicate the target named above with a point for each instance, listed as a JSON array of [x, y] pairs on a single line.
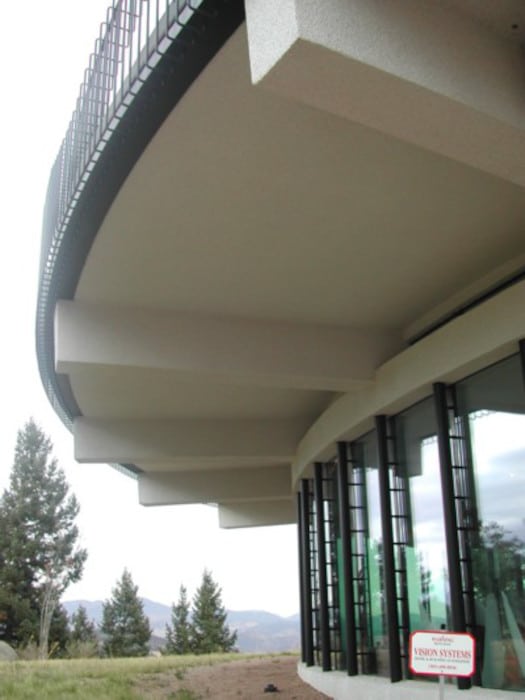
[[44, 50]]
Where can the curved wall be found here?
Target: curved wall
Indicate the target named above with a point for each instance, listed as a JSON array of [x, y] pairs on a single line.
[[410, 501], [474, 340]]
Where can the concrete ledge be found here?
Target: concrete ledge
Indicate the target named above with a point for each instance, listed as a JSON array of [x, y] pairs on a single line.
[[339, 686], [217, 486], [261, 353], [170, 442], [256, 514]]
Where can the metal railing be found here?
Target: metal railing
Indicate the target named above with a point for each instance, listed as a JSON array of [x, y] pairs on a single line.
[[134, 37]]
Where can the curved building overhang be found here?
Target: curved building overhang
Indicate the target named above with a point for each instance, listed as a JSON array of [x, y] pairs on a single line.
[[101, 151], [244, 272]]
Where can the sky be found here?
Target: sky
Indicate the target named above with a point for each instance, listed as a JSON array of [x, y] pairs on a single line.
[[44, 51]]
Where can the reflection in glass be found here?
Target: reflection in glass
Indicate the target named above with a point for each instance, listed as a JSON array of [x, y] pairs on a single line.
[[425, 553], [498, 558], [494, 403], [376, 631]]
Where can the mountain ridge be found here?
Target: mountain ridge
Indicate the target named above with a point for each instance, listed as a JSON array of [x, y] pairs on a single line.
[[257, 630]]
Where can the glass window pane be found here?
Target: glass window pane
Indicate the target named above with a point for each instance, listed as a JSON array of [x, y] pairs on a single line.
[[494, 403], [425, 554], [366, 451]]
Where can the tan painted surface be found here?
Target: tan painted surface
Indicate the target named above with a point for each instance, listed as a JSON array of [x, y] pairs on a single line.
[[486, 334], [245, 300], [257, 514], [422, 71]]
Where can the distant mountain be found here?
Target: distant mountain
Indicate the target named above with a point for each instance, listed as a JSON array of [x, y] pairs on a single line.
[[257, 630], [93, 608]]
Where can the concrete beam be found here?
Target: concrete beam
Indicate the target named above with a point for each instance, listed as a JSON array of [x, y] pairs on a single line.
[[220, 485], [425, 72], [256, 514], [261, 353], [169, 441]]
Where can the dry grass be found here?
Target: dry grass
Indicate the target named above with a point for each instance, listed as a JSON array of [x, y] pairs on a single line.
[[105, 679]]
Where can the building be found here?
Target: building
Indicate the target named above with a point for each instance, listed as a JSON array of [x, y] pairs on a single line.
[[283, 272]]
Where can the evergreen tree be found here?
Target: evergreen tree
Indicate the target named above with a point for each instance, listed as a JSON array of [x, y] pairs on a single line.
[[83, 636], [18, 616], [178, 635], [58, 634], [210, 633], [125, 627], [82, 628], [39, 556]]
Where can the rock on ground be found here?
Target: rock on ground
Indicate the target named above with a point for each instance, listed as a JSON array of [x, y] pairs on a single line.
[[7, 653]]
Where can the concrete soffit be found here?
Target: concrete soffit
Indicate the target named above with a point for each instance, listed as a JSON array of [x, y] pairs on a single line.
[[243, 464], [387, 66], [383, 65]]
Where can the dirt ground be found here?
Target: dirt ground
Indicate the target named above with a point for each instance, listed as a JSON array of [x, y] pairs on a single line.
[[235, 680]]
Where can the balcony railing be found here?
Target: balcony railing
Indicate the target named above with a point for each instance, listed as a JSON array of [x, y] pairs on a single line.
[[147, 55], [134, 39]]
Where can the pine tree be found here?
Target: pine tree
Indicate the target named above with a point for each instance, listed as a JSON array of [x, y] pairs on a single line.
[[82, 628], [83, 636], [39, 556], [18, 616], [125, 627], [58, 634], [178, 635], [210, 633]]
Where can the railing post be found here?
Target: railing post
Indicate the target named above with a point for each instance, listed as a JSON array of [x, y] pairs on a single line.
[[346, 553], [300, 543], [522, 355], [321, 563], [396, 673], [306, 575], [450, 515]]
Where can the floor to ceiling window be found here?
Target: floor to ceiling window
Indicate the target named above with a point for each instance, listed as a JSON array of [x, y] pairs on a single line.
[[370, 597], [486, 433], [493, 403], [425, 553]]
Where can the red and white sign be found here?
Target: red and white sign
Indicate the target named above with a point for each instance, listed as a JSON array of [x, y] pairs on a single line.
[[442, 653]]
